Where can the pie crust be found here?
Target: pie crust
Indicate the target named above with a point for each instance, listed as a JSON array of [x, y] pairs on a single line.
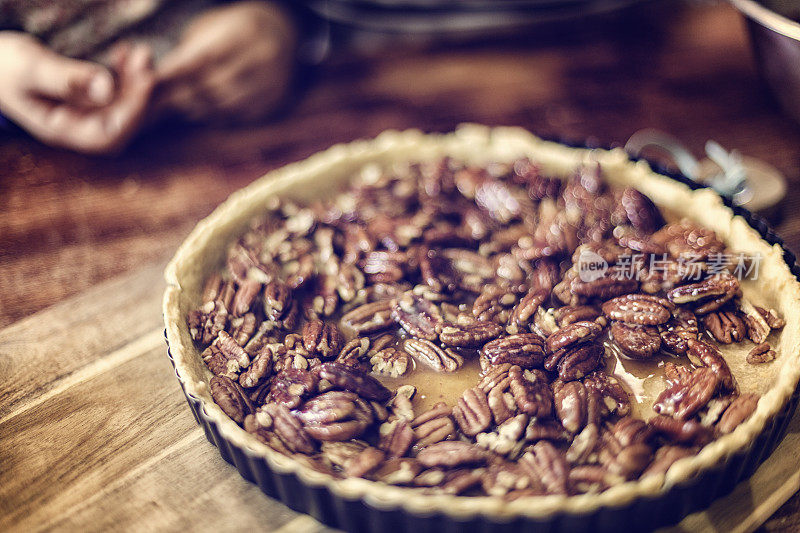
[[203, 252]]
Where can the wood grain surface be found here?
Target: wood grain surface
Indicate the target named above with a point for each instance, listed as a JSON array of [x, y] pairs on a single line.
[[94, 432], [105, 439]]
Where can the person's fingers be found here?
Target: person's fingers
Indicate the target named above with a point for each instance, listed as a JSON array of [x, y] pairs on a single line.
[[72, 81], [118, 55], [100, 130], [193, 55], [126, 113]]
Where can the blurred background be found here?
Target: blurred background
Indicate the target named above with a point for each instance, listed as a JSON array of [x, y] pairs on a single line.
[[127, 121], [124, 122]]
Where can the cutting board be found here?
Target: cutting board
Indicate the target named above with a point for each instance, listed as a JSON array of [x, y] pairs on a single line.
[[95, 433]]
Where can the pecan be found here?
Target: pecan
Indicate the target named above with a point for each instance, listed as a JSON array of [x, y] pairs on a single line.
[[260, 425], [383, 266], [572, 335], [686, 397], [206, 323], [353, 352], [259, 395], [364, 462], [523, 314], [224, 357], [544, 323], [525, 350], [592, 478], [510, 388], [245, 296], [322, 340], [493, 375], [472, 335], [625, 450], [616, 282], [758, 328], [639, 309], [665, 457], [636, 240], [545, 463], [289, 429], [582, 448], [507, 439], [737, 412], [434, 425], [335, 415], [279, 305], [628, 431], [703, 354], [212, 288], [506, 477], [460, 480], [636, 342], [714, 409], [609, 251], [418, 316], [569, 314], [264, 335], [494, 304], [575, 363], [451, 453], [379, 411], [500, 201], [449, 270], [352, 379], [527, 173], [294, 356], [439, 359], [771, 317], [299, 272], [688, 432], [625, 461], [530, 391], [290, 386], [549, 430], [396, 437], [762, 353], [472, 412], [675, 372], [688, 240], [640, 211], [390, 362], [663, 278], [683, 327], [725, 326], [230, 397], [400, 471], [349, 280], [259, 370], [324, 301], [572, 405], [707, 295], [242, 328], [613, 396], [369, 317], [501, 402], [401, 403]]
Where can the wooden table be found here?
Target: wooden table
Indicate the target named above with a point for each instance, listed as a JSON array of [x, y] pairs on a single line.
[[94, 430]]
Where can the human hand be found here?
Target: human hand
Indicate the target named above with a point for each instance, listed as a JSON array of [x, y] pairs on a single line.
[[71, 103], [233, 64]]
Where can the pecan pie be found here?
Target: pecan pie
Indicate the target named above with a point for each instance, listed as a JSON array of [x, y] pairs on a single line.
[[532, 322]]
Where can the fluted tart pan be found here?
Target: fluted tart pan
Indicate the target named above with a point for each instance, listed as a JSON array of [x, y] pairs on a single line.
[[361, 505]]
